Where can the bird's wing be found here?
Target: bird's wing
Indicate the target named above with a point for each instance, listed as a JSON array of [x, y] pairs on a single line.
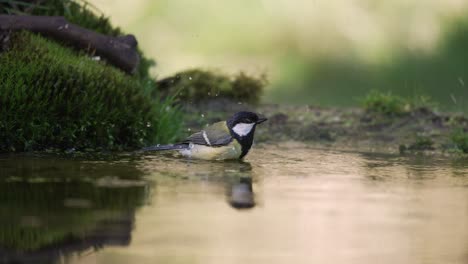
[[215, 135]]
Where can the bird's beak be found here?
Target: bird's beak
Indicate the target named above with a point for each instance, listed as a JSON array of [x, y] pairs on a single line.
[[261, 119]]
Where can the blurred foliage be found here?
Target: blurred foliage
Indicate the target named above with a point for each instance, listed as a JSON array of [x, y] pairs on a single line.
[[459, 138], [338, 80], [52, 97], [386, 103], [325, 52], [198, 85]]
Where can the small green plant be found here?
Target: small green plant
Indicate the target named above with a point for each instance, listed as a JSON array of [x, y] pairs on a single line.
[[422, 143], [198, 85], [423, 102], [459, 139], [385, 103], [169, 120]]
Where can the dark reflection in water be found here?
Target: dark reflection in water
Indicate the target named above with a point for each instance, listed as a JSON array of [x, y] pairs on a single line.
[[241, 195], [286, 204], [52, 208]]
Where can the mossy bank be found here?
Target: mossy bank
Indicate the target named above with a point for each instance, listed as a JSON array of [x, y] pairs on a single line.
[[52, 97]]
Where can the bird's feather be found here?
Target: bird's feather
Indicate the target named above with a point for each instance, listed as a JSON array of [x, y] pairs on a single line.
[[215, 135], [166, 147]]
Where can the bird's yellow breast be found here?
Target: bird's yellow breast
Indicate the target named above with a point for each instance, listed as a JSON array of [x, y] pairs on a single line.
[[231, 151]]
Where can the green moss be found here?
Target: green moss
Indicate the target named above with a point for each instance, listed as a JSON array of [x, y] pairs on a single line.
[[384, 103], [248, 88], [198, 85], [459, 139], [53, 97]]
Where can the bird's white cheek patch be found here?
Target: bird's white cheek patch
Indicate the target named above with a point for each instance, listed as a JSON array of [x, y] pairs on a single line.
[[243, 129]]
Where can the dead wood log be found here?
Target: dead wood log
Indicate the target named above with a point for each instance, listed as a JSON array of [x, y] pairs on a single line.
[[118, 51]]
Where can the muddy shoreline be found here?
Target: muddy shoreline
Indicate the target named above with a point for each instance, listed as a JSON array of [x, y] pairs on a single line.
[[421, 130]]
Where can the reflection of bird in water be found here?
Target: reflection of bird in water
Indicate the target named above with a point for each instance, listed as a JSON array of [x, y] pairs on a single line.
[[241, 194], [234, 176]]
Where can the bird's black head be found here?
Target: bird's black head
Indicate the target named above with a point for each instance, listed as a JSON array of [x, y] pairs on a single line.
[[246, 119], [242, 127]]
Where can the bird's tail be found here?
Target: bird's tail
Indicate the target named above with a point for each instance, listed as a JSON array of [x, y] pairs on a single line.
[[165, 147]]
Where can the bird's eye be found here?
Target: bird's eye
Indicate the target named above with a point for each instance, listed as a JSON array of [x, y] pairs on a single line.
[[247, 121]]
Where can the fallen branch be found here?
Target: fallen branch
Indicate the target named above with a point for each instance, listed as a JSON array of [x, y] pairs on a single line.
[[118, 51]]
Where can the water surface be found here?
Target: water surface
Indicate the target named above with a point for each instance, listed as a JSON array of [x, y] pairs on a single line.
[[288, 203]]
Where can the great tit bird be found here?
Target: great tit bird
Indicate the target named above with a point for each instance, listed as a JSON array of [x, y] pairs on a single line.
[[230, 139]]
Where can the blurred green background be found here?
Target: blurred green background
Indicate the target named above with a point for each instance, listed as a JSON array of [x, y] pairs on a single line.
[[326, 52]]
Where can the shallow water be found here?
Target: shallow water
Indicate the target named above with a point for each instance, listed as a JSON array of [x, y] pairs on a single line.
[[286, 204]]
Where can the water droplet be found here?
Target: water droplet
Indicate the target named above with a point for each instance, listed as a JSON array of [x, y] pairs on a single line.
[[454, 100]]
